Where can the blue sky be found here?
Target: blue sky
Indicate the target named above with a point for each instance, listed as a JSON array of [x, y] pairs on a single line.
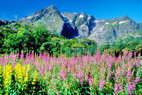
[[101, 9]]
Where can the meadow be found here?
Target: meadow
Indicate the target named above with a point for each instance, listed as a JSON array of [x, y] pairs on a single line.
[[40, 74]]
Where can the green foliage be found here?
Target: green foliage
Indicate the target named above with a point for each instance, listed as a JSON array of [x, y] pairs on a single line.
[[77, 45], [20, 37], [53, 47], [139, 47], [129, 43]]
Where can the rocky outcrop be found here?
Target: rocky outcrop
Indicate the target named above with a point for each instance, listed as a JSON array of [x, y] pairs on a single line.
[[81, 21]]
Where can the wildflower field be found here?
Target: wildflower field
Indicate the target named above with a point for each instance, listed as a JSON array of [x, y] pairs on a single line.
[[101, 74]]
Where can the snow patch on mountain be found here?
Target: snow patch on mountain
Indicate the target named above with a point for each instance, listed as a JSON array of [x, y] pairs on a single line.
[[81, 16], [82, 25], [121, 22], [107, 23], [114, 23], [29, 17]]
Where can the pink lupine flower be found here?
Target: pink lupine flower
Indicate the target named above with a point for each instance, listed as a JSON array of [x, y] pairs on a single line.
[[124, 72], [81, 81], [118, 88], [91, 81], [52, 78], [50, 67], [57, 93], [23, 63], [101, 84], [109, 65], [27, 55], [125, 53], [102, 69], [139, 57], [78, 75], [130, 88], [136, 63], [108, 76], [135, 53], [104, 57], [136, 80], [130, 55], [98, 55], [129, 74], [124, 66], [13, 64], [22, 55], [42, 70], [40, 55], [117, 73], [63, 75]]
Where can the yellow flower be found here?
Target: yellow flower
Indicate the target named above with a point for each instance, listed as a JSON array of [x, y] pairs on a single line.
[[28, 67], [26, 77], [35, 77], [18, 73], [7, 73], [0, 71], [25, 73]]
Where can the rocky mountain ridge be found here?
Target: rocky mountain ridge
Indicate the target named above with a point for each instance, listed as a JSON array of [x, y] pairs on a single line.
[[73, 25]]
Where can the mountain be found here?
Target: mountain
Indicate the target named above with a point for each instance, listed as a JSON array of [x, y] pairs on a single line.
[[50, 17], [73, 25], [81, 21], [3, 22], [53, 20], [106, 31]]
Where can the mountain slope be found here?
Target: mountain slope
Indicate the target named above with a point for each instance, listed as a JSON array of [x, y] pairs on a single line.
[[106, 31], [50, 17]]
